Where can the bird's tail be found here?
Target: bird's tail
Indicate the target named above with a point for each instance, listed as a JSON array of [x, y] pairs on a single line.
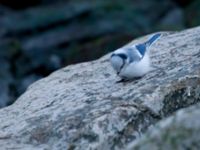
[[152, 39], [142, 48]]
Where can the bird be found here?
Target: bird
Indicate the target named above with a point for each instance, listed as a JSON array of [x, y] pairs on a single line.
[[133, 62]]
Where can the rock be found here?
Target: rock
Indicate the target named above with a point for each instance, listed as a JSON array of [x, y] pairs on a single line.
[[82, 107], [26, 82], [180, 132]]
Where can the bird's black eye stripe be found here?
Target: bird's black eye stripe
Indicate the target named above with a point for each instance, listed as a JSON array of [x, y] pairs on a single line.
[[122, 65], [123, 56]]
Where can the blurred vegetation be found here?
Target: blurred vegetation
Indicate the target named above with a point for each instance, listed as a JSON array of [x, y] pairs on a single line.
[[40, 36]]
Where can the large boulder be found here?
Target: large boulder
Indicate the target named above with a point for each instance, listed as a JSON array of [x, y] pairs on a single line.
[[82, 107]]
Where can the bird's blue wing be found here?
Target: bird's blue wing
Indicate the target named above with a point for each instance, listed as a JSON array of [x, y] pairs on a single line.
[[152, 39], [141, 48]]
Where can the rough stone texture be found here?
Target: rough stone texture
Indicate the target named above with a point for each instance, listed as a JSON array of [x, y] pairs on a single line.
[[82, 107], [179, 132]]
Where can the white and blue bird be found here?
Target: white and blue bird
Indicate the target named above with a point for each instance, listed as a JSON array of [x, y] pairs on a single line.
[[133, 61]]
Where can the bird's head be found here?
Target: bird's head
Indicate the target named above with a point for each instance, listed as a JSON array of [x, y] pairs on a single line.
[[118, 61]]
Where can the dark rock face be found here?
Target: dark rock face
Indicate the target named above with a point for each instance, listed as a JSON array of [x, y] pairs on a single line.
[[180, 131], [82, 107]]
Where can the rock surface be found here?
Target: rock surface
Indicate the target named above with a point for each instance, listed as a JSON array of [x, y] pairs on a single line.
[[179, 132], [82, 107]]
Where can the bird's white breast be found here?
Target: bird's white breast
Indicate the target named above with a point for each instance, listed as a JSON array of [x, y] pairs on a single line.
[[136, 69]]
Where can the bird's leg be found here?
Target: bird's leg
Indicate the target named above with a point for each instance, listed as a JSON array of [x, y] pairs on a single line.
[[126, 80], [137, 78], [122, 80]]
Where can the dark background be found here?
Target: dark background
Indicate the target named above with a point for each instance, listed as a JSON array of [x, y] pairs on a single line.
[[40, 36]]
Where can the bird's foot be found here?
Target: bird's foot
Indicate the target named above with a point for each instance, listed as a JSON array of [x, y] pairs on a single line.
[[122, 80], [126, 80], [137, 78]]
